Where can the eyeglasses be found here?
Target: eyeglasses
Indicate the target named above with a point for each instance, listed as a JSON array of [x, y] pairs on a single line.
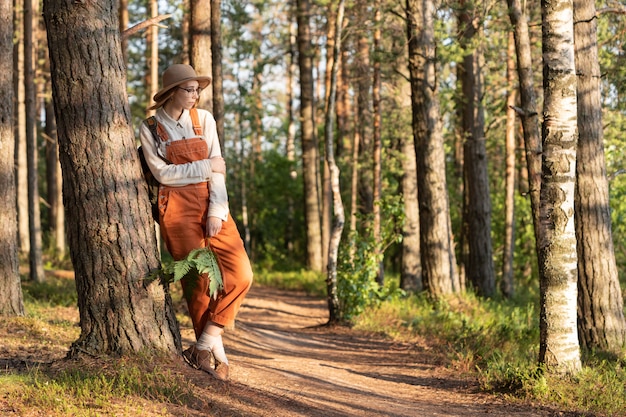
[[190, 90]]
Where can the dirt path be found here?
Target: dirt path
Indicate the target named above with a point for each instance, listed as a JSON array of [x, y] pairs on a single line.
[[283, 364]]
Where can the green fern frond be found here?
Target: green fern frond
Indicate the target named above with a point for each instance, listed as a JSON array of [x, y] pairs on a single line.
[[199, 261]]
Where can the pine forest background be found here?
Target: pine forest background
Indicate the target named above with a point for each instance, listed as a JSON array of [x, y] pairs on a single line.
[[262, 134]]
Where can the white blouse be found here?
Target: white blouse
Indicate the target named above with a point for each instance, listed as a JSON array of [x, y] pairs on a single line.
[[177, 175]]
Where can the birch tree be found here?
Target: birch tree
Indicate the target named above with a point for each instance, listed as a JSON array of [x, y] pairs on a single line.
[[559, 349]]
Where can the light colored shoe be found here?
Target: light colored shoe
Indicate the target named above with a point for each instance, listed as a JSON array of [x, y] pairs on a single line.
[[205, 361]]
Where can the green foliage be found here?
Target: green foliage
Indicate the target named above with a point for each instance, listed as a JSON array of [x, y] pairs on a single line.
[[199, 261], [359, 263]]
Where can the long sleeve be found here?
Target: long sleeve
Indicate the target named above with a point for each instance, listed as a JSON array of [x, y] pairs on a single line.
[[177, 175]]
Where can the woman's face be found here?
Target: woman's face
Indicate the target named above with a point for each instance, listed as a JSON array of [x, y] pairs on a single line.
[[186, 95]]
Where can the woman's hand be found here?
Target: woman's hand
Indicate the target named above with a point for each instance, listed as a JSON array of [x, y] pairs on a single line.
[[218, 165], [213, 226]]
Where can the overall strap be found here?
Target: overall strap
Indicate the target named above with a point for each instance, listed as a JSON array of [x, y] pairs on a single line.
[[158, 132], [195, 120]]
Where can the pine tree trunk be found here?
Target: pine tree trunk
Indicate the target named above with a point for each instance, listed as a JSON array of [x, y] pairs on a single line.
[[506, 285], [479, 268], [438, 258], [111, 238], [309, 142], [20, 129], [528, 112], [559, 349], [56, 218], [601, 323], [217, 82], [200, 46], [11, 302], [31, 26]]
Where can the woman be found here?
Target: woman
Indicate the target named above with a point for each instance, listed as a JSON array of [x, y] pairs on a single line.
[[193, 210]]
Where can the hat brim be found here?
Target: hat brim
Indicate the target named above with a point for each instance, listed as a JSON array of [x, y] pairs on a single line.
[[202, 81]]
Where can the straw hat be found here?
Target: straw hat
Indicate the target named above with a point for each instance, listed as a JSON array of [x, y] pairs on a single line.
[[176, 75]]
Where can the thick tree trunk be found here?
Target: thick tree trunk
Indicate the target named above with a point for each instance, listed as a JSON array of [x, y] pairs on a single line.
[[200, 46], [309, 142], [111, 238], [601, 323], [479, 268], [559, 349], [11, 302], [438, 258]]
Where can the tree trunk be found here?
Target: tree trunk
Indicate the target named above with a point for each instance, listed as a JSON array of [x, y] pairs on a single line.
[[559, 349], [21, 172], [479, 268], [364, 127], [309, 142], [506, 285], [11, 301], [411, 270], [152, 56], [111, 238], [337, 204], [290, 146], [377, 147], [601, 323], [200, 46], [528, 111], [56, 216], [124, 22], [216, 52], [35, 257], [438, 258]]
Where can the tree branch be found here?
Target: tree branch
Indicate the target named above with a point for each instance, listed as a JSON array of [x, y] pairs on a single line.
[[143, 25]]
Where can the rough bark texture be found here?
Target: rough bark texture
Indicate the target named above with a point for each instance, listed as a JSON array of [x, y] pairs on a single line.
[[111, 235], [479, 268], [438, 259], [309, 143], [559, 348], [601, 323], [528, 110], [11, 302], [200, 46]]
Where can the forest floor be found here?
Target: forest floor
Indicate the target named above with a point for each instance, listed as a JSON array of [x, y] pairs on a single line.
[[285, 362]]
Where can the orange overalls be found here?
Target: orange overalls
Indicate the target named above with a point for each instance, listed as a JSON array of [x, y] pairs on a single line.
[[183, 216]]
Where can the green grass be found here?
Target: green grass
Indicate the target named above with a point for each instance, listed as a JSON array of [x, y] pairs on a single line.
[[79, 390], [498, 342], [494, 340]]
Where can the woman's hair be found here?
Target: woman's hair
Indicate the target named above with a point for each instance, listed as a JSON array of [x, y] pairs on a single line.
[[163, 100]]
